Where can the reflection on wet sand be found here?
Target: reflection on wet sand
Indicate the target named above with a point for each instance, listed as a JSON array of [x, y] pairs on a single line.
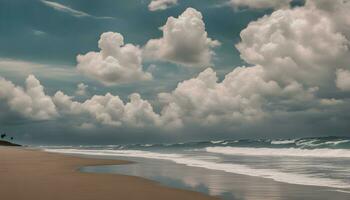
[[217, 183]]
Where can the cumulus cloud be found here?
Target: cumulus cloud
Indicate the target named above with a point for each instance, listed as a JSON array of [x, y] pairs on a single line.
[[331, 102], [65, 103], [109, 110], [260, 4], [205, 101], [161, 4], [116, 63], [280, 43], [343, 79], [81, 89], [294, 54], [30, 102], [241, 98], [185, 41]]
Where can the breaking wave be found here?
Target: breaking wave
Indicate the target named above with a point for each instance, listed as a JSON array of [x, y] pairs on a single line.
[[293, 178], [246, 151]]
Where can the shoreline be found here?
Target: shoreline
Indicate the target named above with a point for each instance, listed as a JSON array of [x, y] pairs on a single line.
[[215, 182], [34, 174], [121, 157]]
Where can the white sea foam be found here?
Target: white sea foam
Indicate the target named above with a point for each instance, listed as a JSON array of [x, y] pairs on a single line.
[[343, 191], [282, 141], [316, 143], [147, 145], [337, 142], [293, 178], [217, 141], [246, 151]]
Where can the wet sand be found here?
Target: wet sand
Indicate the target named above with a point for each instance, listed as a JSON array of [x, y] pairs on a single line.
[[35, 175], [228, 186]]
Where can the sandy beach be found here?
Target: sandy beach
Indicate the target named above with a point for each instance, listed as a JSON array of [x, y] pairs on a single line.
[[36, 175]]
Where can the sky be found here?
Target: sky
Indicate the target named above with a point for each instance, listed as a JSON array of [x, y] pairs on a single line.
[[148, 71]]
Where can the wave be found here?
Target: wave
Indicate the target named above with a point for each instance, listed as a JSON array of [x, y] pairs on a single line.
[[292, 178], [246, 151], [282, 142], [323, 143], [301, 143]]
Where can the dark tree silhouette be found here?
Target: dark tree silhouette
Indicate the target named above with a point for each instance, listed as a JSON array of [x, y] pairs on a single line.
[[3, 135], [11, 138]]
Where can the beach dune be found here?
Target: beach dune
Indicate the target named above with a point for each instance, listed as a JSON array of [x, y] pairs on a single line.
[[36, 175]]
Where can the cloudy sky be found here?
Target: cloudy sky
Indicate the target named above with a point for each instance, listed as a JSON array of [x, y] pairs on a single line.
[[106, 72]]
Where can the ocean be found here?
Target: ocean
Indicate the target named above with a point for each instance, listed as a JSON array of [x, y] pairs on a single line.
[[323, 162]]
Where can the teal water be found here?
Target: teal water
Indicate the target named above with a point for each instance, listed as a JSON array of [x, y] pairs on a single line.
[[314, 162]]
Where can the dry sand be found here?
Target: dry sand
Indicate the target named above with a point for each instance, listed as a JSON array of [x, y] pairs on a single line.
[[35, 175]]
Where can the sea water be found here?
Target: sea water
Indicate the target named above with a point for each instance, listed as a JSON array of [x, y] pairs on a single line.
[[321, 162]]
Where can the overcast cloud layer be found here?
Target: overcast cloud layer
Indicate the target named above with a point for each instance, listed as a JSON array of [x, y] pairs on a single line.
[[296, 73]]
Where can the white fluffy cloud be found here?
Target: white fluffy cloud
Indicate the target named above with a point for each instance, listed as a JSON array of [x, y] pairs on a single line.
[[240, 98], [343, 79], [288, 67], [288, 52], [31, 102], [116, 63], [81, 89], [294, 53], [161, 4], [260, 4], [110, 110], [185, 41], [205, 101]]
